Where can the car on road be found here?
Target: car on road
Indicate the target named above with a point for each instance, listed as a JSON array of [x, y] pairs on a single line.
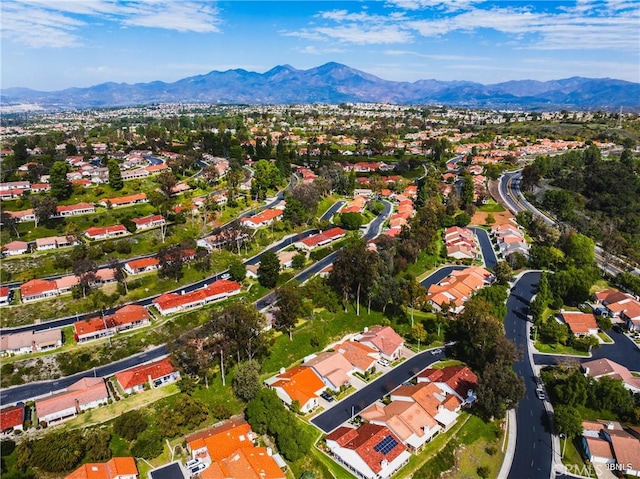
[[617, 328], [435, 352], [226, 276], [540, 394]]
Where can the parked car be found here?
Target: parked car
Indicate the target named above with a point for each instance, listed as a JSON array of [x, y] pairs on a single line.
[[384, 362], [327, 397], [540, 394], [226, 276], [435, 352], [197, 468], [192, 463]]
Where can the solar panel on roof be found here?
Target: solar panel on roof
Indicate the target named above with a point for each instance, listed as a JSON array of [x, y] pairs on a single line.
[[386, 445]]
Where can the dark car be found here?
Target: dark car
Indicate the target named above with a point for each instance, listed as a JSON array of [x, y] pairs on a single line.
[[326, 397]]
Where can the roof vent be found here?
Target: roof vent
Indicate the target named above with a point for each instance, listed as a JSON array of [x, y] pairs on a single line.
[[282, 370]]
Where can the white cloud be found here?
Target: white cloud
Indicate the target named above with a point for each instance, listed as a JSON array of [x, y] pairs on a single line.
[[56, 23], [314, 50]]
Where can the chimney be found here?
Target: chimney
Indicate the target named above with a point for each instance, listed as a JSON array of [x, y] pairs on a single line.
[[282, 370]]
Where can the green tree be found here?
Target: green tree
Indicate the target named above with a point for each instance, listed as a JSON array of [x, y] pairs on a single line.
[[298, 261], [115, 175], [246, 381], [351, 221], [60, 186], [237, 269], [503, 273], [59, 451], [130, 424], [167, 181], [97, 445], [171, 260], [467, 190], [148, 445], [568, 420], [44, 208], [499, 389], [240, 329], [580, 249], [269, 269], [266, 177], [289, 307]]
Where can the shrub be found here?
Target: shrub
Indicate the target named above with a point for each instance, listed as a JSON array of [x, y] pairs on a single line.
[[147, 446], [483, 472]]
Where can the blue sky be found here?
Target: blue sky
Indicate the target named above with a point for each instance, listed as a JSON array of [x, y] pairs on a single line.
[[55, 44]]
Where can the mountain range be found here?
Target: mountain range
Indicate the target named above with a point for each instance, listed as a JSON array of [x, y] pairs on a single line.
[[336, 83]]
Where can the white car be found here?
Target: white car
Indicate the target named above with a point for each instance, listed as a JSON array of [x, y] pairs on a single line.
[[192, 462], [540, 394], [197, 468], [384, 362]]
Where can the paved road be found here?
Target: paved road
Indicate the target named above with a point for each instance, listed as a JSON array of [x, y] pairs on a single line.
[[41, 388], [304, 275], [332, 211], [533, 455], [509, 189], [488, 253], [352, 405], [440, 274]]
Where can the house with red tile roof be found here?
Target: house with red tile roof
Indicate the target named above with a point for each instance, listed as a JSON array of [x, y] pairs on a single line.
[[598, 368], [74, 210], [384, 340], [54, 242], [230, 452], [15, 248], [321, 239], [361, 357], [128, 317], [105, 232], [124, 200], [621, 305], [84, 394], [142, 265], [170, 303], [5, 294], [457, 380], [115, 468], [432, 399], [371, 451], [458, 287], [264, 218], [332, 367], [66, 283], [12, 418], [153, 375], [30, 341], [408, 420], [298, 384], [147, 222], [153, 169], [37, 289], [580, 324], [461, 243]]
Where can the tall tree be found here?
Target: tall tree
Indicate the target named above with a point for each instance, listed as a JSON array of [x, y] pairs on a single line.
[[60, 186], [85, 270], [119, 274], [289, 308], [269, 269], [115, 175], [11, 223], [44, 208], [171, 261], [467, 190], [242, 327], [246, 382], [167, 181]]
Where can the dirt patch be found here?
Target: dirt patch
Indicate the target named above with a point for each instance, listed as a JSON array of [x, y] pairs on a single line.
[[504, 217]]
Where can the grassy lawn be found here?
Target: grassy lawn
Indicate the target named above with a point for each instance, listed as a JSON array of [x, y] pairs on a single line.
[[558, 349], [325, 204], [491, 207], [315, 334], [605, 337], [422, 460], [423, 265], [572, 456], [447, 363], [107, 413]]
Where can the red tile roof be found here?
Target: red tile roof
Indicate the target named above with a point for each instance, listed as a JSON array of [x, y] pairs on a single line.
[[36, 287], [266, 215], [147, 219], [384, 338], [11, 417], [116, 467], [172, 300], [99, 231], [140, 374], [125, 199], [142, 263], [579, 323], [76, 207], [458, 378], [363, 441]]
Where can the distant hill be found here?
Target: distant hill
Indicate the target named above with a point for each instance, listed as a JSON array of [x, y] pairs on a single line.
[[336, 83]]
